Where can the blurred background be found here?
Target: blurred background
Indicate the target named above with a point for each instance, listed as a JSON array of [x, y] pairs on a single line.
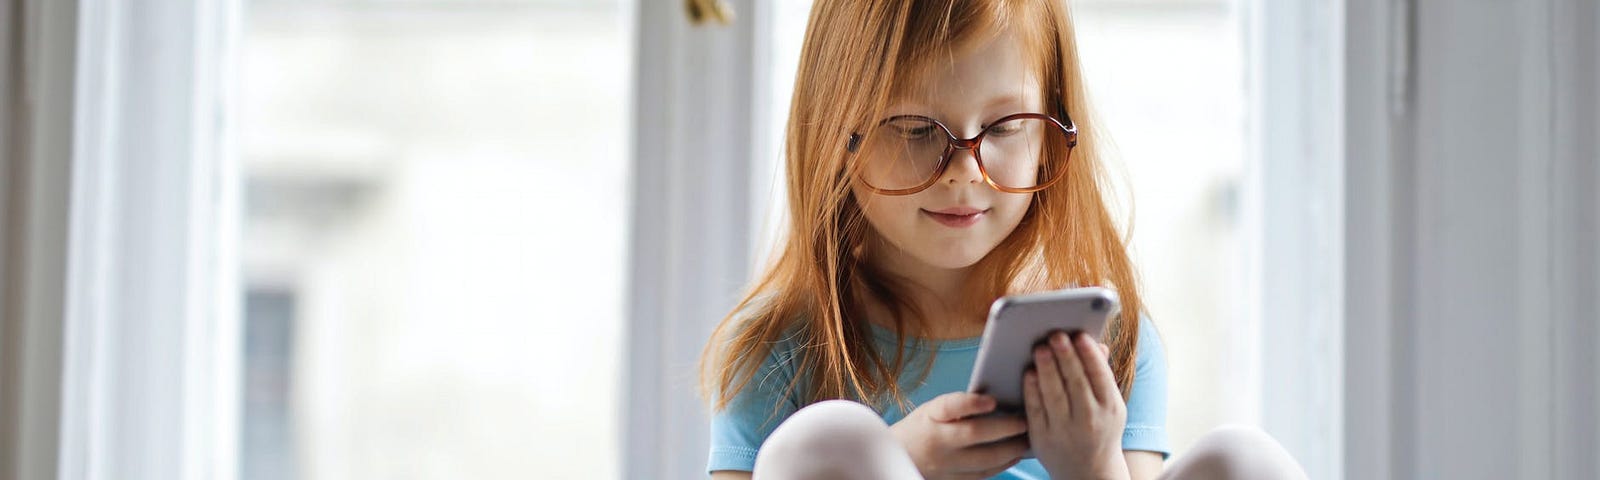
[[431, 239], [433, 243]]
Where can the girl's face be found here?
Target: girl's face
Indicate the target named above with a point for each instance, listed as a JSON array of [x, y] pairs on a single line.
[[959, 219]]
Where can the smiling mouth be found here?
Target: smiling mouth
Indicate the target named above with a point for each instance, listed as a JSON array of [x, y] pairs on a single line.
[[960, 218]]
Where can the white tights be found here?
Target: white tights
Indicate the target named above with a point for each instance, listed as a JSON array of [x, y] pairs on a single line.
[[844, 440]]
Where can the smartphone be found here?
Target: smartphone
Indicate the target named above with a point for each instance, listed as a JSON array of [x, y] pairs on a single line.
[[1018, 323]]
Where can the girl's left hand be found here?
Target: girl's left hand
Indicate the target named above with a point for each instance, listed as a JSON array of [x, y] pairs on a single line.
[[1075, 411]]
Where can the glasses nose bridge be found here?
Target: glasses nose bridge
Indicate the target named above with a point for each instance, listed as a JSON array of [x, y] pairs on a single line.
[[964, 143], [957, 144]]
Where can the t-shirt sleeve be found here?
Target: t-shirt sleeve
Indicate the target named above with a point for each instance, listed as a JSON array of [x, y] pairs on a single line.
[[738, 430], [1147, 404]]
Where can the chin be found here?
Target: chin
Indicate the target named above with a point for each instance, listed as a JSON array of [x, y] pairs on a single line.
[[954, 259]]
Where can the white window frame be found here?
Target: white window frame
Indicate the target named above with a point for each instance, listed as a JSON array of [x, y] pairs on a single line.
[[1293, 206], [36, 126], [695, 169], [1425, 241], [130, 320]]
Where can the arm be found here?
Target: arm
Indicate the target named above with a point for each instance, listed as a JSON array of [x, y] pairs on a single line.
[[1147, 408], [1142, 465], [738, 475]]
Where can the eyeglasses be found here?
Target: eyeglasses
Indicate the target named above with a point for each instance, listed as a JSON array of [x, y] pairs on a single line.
[[1018, 153]]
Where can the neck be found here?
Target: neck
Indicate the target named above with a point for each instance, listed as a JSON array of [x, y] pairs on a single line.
[[936, 292]]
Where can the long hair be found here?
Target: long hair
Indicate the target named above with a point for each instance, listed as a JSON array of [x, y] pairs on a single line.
[[857, 56]]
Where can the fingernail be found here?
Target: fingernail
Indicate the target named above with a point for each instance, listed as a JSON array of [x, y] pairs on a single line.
[[1059, 340]]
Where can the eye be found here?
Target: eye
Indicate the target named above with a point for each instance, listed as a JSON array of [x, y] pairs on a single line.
[[1006, 129], [912, 130], [914, 133]]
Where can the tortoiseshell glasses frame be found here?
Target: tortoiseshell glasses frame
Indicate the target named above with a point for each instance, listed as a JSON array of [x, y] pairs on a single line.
[[953, 144]]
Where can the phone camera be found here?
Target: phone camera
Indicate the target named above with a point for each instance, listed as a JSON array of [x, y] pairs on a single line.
[[1098, 304]]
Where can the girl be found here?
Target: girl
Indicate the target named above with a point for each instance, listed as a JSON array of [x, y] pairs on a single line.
[[940, 155]]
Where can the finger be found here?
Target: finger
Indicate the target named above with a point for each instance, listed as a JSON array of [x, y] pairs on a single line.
[[997, 470], [983, 458], [977, 431], [1105, 350], [1099, 370], [1079, 394], [1032, 402], [957, 405], [1000, 469], [1054, 392]]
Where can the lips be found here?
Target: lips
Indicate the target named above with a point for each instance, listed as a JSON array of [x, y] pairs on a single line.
[[957, 211], [956, 217]]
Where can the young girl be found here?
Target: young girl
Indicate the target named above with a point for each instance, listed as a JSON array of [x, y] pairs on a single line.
[[940, 156]]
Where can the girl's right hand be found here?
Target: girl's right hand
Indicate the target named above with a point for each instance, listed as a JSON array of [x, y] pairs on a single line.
[[945, 442]]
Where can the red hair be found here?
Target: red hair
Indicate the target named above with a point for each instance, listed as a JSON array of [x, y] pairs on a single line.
[[858, 55]]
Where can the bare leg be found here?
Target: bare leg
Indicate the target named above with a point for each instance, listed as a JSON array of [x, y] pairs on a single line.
[[1235, 452], [834, 439]]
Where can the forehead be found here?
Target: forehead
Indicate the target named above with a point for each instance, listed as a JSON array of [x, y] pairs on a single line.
[[985, 72]]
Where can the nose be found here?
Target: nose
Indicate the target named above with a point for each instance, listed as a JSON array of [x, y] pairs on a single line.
[[963, 166]]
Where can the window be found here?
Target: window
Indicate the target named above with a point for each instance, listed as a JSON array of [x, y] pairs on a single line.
[[1168, 82], [433, 238]]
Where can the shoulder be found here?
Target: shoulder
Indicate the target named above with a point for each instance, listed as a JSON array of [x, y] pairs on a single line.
[[1152, 348], [1149, 369], [753, 336], [767, 371]]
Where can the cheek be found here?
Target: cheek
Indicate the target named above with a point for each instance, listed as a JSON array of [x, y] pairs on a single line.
[[1015, 207], [890, 215]]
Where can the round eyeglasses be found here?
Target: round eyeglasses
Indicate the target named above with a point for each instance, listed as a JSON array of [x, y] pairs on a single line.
[[1018, 153]]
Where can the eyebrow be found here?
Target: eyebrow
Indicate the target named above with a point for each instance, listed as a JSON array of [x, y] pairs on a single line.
[[927, 109], [1004, 99]]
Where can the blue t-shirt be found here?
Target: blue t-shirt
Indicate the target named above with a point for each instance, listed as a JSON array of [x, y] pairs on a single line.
[[737, 431]]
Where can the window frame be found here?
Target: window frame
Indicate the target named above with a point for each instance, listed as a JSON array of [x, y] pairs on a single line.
[[1425, 240], [697, 128], [130, 324], [1293, 210], [36, 124]]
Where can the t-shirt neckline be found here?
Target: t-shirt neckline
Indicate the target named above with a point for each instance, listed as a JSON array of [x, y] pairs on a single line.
[[954, 344]]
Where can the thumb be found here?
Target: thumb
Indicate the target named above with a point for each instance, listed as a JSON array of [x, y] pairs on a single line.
[[957, 405]]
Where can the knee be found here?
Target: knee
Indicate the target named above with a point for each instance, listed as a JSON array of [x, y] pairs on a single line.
[[828, 428], [1239, 452], [823, 439], [1235, 436]]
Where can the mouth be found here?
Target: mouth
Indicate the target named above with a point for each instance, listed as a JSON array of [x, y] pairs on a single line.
[[959, 217]]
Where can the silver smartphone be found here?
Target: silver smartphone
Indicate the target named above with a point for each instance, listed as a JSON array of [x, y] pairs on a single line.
[[1018, 323]]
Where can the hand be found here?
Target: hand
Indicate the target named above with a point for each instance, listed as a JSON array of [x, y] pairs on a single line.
[[944, 442], [1074, 409]]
